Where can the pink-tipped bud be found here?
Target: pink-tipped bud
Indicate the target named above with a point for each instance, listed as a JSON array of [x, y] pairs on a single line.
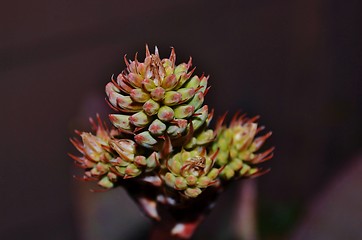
[[157, 127], [140, 161], [124, 147], [180, 69], [139, 96], [170, 179], [158, 94], [135, 80], [122, 83], [197, 100], [120, 121], [132, 171], [191, 180], [169, 82], [180, 183], [126, 102], [203, 83], [165, 113], [184, 111], [148, 84], [200, 117], [205, 137], [194, 82], [141, 68], [172, 98], [112, 93], [192, 192], [105, 182], [140, 119], [152, 161], [178, 128], [145, 139], [186, 93], [92, 146], [151, 107]]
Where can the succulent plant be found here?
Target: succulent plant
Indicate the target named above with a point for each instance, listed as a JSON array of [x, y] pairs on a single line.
[[191, 171], [129, 162], [161, 136], [155, 98], [237, 146], [97, 154]]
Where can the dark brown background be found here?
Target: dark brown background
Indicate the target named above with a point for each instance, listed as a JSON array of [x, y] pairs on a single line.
[[296, 63]]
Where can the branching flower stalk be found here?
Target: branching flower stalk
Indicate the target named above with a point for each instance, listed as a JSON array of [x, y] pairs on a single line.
[[161, 148]]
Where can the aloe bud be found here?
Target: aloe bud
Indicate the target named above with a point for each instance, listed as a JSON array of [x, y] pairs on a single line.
[[124, 147], [192, 192]]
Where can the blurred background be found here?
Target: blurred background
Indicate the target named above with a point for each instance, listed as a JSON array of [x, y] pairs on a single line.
[[296, 63]]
